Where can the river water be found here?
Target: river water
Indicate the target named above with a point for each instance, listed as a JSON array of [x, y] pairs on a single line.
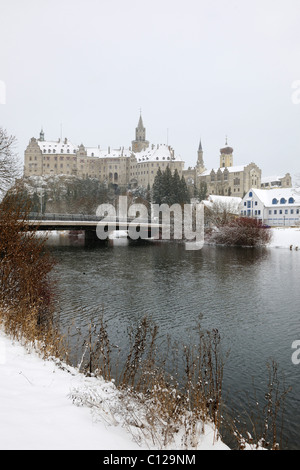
[[251, 296]]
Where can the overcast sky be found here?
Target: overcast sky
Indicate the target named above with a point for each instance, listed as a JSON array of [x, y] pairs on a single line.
[[197, 69]]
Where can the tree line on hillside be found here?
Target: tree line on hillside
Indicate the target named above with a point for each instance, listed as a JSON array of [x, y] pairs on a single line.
[[82, 196]]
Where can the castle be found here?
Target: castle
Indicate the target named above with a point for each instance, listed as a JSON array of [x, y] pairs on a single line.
[[127, 167], [231, 180], [138, 165]]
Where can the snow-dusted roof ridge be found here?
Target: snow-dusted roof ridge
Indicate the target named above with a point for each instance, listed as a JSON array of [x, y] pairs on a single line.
[[270, 179], [268, 195], [160, 152], [231, 169]]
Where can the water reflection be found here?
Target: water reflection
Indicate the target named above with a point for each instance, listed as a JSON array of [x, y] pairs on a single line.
[[251, 296]]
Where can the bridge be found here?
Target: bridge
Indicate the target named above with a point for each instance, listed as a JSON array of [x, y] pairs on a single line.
[[89, 224]]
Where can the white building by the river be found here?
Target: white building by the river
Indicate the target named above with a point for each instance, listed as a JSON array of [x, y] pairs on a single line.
[[275, 207]]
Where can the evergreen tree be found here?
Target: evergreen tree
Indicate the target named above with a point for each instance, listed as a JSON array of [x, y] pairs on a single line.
[[167, 182], [202, 193], [169, 189], [184, 192], [176, 187], [157, 188]]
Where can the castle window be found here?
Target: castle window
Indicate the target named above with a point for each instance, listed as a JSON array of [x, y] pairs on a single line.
[[250, 194], [291, 200], [275, 201], [282, 200]]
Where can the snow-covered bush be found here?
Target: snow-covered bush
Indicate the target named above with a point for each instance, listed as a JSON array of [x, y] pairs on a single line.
[[242, 231]]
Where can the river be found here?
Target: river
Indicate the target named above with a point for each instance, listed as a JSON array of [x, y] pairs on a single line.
[[251, 296]]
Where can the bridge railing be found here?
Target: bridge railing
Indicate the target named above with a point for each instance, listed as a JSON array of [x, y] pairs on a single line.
[[81, 218]]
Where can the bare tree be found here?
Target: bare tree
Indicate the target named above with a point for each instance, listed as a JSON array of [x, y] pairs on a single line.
[[221, 212], [9, 169]]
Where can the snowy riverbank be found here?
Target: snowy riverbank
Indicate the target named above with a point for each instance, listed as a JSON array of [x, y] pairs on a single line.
[[37, 413], [285, 237]]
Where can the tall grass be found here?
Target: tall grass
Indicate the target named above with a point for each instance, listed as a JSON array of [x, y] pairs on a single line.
[[176, 387]]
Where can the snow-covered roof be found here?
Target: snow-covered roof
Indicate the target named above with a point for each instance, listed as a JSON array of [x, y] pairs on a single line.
[[160, 152], [266, 196], [231, 203], [231, 169], [271, 179], [225, 199], [64, 146], [107, 153]]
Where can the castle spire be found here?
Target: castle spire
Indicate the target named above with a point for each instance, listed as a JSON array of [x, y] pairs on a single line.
[[140, 142], [140, 123], [200, 161], [42, 135]]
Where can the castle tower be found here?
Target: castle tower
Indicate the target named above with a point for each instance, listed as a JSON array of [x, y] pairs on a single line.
[[140, 143], [226, 157], [200, 161]]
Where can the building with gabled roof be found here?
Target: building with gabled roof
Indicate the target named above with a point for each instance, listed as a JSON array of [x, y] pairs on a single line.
[[274, 207]]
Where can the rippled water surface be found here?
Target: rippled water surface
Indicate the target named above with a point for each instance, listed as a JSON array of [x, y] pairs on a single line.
[[251, 296]]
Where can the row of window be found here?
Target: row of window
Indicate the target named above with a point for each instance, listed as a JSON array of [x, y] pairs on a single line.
[[275, 201], [286, 211], [274, 212], [61, 151], [256, 212], [283, 201]]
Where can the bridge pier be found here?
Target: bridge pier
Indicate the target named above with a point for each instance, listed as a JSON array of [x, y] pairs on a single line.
[[91, 239]]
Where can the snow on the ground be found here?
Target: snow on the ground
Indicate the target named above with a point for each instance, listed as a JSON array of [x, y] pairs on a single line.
[[285, 237], [37, 413]]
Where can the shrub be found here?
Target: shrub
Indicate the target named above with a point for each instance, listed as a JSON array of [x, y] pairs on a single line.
[[242, 231], [25, 288]]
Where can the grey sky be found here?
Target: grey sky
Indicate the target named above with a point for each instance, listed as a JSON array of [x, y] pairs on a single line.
[[200, 68]]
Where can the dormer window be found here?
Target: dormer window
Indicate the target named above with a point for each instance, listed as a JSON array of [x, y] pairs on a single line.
[[275, 201], [291, 200], [282, 200]]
